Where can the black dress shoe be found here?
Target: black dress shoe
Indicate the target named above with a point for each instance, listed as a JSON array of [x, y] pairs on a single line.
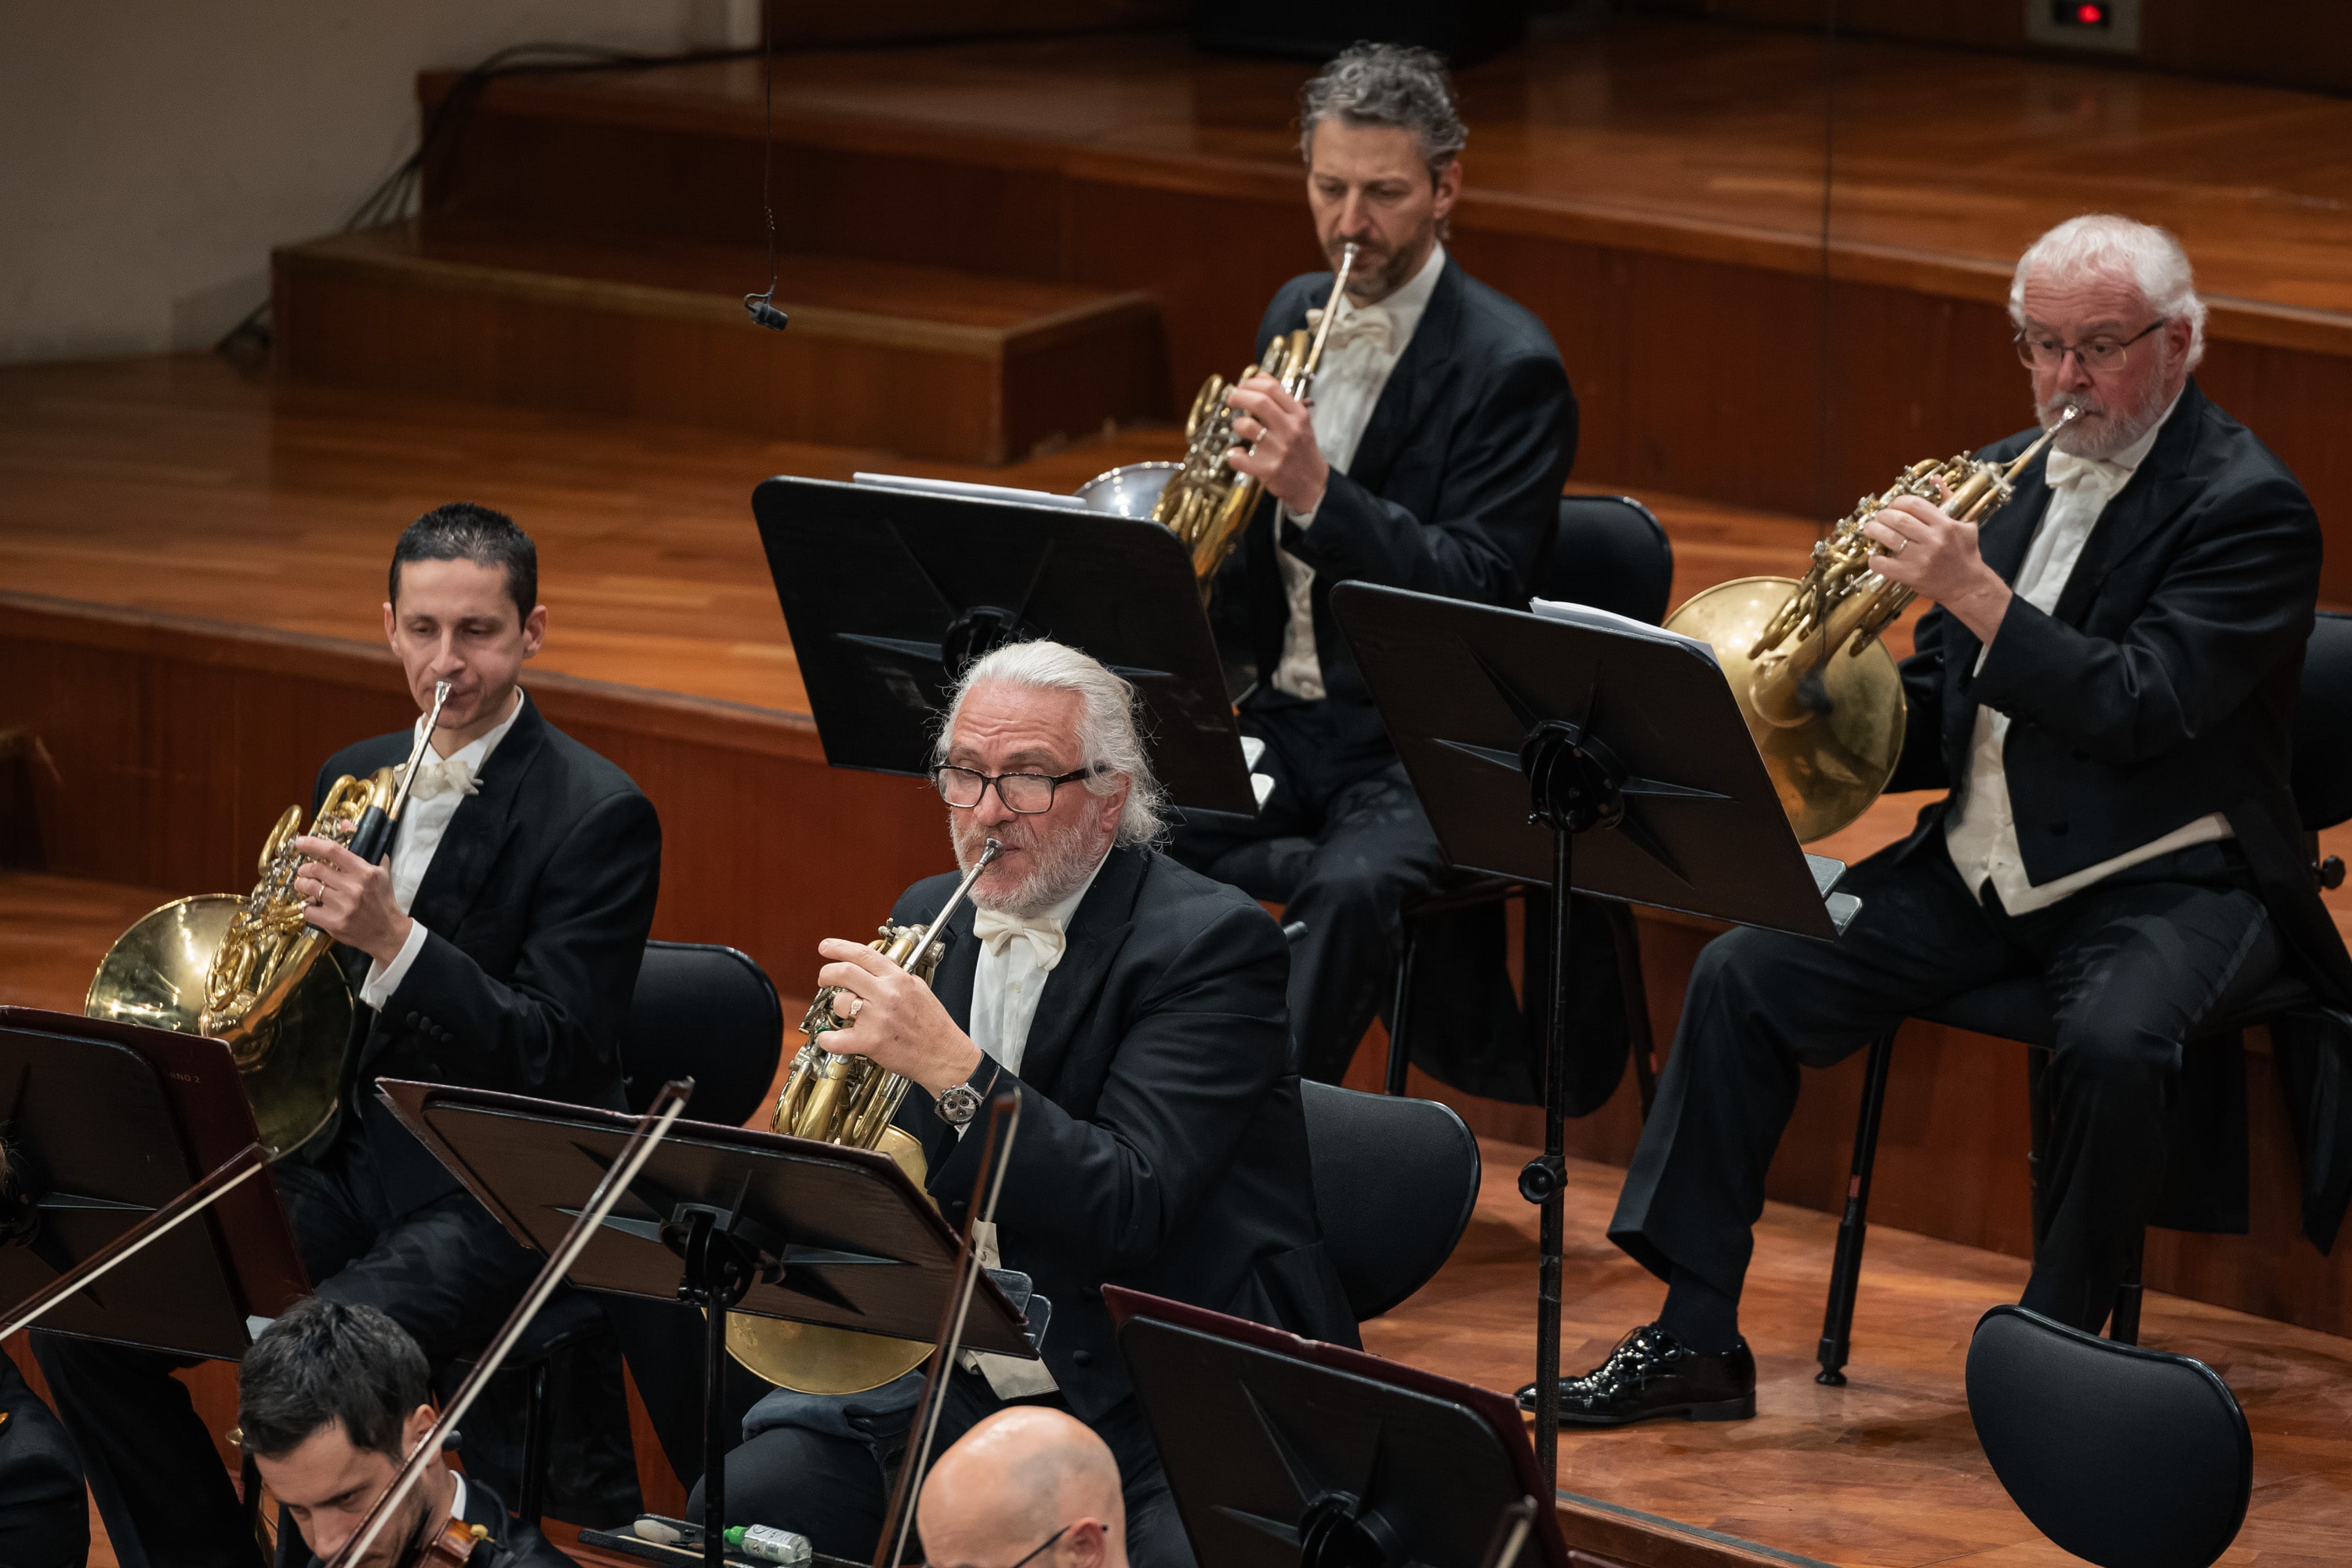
[[1650, 1374]]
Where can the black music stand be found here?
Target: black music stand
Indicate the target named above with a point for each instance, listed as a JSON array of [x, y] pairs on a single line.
[[106, 1123], [891, 594], [1289, 1453], [730, 1219], [1595, 754]]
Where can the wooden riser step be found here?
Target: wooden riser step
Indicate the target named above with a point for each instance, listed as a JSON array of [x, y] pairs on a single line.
[[919, 361]]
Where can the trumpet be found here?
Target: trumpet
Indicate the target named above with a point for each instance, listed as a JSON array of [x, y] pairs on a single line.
[[1819, 691], [850, 1101], [1203, 500]]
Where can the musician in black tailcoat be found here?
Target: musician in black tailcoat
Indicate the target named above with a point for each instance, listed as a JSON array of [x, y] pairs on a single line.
[[498, 946], [1440, 431], [1136, 1007], [2104, 688]]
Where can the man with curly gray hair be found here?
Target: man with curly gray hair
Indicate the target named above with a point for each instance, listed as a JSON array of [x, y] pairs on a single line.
[[1430, 456], [1136, 1008]]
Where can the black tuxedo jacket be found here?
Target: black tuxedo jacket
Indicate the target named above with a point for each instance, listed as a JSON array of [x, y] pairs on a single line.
[[1454, 490], [538, 900], [1161, 1143], [44, 1509], [2160, 688]]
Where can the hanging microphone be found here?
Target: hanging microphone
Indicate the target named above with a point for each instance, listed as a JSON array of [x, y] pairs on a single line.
[[766, 313]]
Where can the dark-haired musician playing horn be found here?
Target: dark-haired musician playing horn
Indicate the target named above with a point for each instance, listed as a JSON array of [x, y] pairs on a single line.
[[496, 947], [2104, 688], [1136, 1008], [331, 1400], [1441, 430]]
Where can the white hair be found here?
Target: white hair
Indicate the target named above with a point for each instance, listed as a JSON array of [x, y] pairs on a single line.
[[1110, 735], [2111, 246]]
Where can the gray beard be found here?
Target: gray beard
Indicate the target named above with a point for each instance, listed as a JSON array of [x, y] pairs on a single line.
[[2111, 434], [1060, 864]]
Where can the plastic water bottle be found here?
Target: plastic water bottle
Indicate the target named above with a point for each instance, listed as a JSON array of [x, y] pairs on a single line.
[[769, 1545]]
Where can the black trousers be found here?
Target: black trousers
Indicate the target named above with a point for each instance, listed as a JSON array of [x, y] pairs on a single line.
[[2133, 964], [447, 1273], [1342, 843], [834, 1489]]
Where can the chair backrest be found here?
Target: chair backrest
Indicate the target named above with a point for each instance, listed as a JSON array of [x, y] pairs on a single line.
[[1395, 1181], [1611, 553], [708, 1011], [2323, 725], [2125, 1457]]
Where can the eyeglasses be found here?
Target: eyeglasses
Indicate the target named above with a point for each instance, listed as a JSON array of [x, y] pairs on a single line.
[[1028, 793], [1041, 1551], [2099, 353]]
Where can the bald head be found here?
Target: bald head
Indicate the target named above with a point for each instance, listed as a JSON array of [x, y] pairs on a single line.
[[1011, 1482]]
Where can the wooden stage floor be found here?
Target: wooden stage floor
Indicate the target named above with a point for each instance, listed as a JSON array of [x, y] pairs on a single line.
[[1884, 1473]]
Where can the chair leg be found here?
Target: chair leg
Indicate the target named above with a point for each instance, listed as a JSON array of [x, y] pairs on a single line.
[[1397, 1050], [535, 1439], [2123, 1323], [1640, 1042], [1846, 1269]]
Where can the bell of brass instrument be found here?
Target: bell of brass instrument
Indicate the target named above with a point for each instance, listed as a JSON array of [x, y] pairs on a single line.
[[1202, 500], [849, 1101], [1821, 693], [245, 970]]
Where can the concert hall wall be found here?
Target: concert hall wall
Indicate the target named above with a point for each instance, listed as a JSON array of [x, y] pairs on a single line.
[[2285, 43], [177, 741]]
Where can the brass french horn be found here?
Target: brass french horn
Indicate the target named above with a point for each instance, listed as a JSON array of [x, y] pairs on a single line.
[[1821, 693], [848, 1100], [245, 970], [1202, 500]]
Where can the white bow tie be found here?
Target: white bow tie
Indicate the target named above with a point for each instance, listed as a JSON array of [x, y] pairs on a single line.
[[1372, 325], [444, 776], [997, 930], [2067, 468]]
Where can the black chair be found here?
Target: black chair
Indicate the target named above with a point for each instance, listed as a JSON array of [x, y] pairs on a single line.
[[1612, 553], [2020, 1009], [701, 1010], [1396, 1181], [2125, 1457], [705, 1011]]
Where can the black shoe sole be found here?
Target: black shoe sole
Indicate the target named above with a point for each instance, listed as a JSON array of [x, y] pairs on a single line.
[[1740, 1409]]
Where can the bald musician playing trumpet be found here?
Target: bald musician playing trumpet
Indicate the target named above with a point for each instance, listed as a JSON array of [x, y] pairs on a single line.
[[1136, 1008], [2104, 689]]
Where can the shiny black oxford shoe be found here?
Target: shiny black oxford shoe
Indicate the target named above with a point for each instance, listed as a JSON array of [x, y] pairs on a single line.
[[1650, 1374]]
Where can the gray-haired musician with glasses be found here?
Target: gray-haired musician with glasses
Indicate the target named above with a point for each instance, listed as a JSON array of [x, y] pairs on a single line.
[[2104, 688], [1137, 1009], [1430, 457]]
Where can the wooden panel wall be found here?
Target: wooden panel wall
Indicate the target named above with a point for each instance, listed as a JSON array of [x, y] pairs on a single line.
[[2285, 43], [1753, 371], [178, 742]]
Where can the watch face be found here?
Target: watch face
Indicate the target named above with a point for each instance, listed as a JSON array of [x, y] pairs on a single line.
[[959, 1104]]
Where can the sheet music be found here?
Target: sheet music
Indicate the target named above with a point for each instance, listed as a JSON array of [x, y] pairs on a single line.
[[967, 491], [1610, 621]]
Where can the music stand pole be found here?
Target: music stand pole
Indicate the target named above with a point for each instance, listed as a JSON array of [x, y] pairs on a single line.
[[1573, 782]]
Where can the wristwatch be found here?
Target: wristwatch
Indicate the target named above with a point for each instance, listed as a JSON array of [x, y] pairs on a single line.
[[958, 1104]]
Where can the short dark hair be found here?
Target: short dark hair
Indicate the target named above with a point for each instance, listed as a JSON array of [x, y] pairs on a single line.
[[1395, 85], [464, 531], [325, 1363]]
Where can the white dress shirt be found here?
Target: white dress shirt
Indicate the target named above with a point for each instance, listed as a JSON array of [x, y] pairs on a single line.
[[442, 783], [1982, 835], [1006, 990], [1365, 344]]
